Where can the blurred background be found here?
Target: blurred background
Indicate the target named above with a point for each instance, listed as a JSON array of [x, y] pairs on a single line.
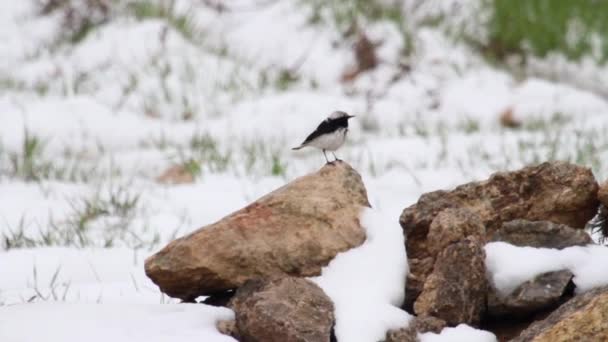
[[126, 123]]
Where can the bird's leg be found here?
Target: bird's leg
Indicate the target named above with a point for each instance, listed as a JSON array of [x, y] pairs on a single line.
[[337, 159], [327, 160]]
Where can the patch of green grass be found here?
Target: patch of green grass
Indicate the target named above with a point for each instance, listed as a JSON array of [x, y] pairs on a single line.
[[285, 79], [82, 226], [78, 17], [539, 27], [278, 166], [33, 164], [207, 151], [202, 154], [541, 123], [29, 163], [263, 158], [348, 15], [181, 22], [469, 125]]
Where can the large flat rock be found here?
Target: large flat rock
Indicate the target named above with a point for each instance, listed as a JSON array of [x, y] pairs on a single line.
[[294, 230]]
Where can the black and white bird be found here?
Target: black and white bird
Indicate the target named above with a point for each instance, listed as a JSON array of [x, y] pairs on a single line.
[[330, 135]]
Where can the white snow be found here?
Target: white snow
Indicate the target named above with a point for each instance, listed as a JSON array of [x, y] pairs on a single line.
[[460, 333], [55, 322], [509, 266], [70, 275], [367, 283]]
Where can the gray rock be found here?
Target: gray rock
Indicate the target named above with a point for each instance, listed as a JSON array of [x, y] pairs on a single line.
[[540, 234], [542, 292]]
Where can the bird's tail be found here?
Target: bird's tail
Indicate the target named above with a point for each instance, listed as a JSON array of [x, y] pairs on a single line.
[[297, 148]]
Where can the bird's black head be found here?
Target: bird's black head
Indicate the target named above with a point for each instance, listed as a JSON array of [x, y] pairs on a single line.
[[339, 118]]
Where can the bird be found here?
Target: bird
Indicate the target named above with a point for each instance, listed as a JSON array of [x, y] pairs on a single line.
[[329, 135]]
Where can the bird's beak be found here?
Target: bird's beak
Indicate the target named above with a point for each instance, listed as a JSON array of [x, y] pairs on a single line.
[[350, 116]]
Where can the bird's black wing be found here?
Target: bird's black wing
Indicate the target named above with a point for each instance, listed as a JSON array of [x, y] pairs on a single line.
[[325, 127]]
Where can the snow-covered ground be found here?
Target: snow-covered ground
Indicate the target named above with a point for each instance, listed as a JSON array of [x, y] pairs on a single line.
[[86, 128]]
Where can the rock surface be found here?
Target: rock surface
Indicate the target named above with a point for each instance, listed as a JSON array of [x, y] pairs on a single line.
[[295, 230], [449, 226], [542, 292], [228, 328], [602, 193], [540, 234], [558, 192], [286, 309], [419, 325], [582, 318], [456, 289], [452, 225]]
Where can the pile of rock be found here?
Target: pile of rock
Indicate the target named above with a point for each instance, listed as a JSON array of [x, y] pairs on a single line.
[[264, 250], [255, 260], [540, 206]]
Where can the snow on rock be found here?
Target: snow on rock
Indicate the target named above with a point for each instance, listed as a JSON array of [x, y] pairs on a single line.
[[460, 333], [509, 266], [112, 322], [367, 283]]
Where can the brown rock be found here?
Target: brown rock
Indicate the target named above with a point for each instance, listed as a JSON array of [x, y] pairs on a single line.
[[452, 225], [365, 56], [283, 310], [558, 192], [582, 318], [508, 119], [540, 234], [365, 53], [176, 174], [295, 230], [456, 289], [602, 193], [419, 325], [544, 291]]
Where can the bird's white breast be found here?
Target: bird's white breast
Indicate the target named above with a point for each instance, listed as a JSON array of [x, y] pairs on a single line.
[[331, 141]]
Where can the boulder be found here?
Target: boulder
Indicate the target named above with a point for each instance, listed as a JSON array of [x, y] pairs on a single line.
[[456, 289], [543, 292], [285, 309], [582, 318], [540, 234], [294, 230], [557, 192], [419, 325]]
